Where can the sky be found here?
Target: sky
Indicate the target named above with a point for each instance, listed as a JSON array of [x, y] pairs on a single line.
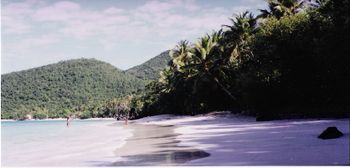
[[124, 33]]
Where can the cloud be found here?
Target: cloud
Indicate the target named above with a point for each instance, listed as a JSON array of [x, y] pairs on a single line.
[[155, 6], [112, 11], [14, 17], [14, 26], [34, 24], [163, 19], [59, 11]]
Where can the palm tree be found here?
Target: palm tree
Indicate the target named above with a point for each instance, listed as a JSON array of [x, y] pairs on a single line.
[[180, 56], [280, 8], [167, 79], [172, 75], [207, 53], [243, 23], [237, 35]]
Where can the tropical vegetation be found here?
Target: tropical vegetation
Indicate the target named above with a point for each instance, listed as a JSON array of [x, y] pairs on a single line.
[[82, 87], [289, 61], [150, 69]]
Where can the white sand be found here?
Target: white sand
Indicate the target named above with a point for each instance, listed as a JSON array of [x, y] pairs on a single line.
[[237, 140]]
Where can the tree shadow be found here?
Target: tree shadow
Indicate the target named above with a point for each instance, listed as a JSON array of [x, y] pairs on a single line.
[[166, 157], [154, 145], [268, 143]]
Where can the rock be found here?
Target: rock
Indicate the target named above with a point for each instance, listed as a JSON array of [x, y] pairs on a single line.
[[330, 133]]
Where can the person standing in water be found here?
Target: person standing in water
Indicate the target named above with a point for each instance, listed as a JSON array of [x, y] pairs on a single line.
[[68, 121], [126, 117], [131, 113]]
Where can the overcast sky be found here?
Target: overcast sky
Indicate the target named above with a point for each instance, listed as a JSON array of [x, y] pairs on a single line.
[[124, 33]]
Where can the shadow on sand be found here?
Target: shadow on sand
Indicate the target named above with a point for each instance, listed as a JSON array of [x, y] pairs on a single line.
[[166, 157], [153, 145]]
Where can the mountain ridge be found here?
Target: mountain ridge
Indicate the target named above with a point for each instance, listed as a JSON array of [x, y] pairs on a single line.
[[150, 69], [65, 85]]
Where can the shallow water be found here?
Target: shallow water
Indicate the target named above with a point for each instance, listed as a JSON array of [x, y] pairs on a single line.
[[52, 143], [91, 143]]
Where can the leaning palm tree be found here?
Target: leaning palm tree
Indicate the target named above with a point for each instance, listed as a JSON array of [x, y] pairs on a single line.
[[207, 53], [280, 8], [177, 69]]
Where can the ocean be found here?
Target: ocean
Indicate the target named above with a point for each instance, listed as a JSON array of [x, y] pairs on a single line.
[[52, 143]]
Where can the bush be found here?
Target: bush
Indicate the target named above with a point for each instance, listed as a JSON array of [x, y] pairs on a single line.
[[301, 62], [39, 115], [84, 115]]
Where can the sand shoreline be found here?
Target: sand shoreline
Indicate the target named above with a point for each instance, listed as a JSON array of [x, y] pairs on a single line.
[[155, 145]]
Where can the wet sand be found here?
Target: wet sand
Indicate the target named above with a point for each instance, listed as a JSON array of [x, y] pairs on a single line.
[[154, 145]]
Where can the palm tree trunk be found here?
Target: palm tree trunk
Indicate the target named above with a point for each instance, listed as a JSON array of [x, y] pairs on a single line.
[[222, 86]]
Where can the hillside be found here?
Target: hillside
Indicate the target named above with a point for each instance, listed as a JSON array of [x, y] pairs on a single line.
[[150, 69], [65, 85]]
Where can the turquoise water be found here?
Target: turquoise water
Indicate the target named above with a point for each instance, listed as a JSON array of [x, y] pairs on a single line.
[[52, 143]]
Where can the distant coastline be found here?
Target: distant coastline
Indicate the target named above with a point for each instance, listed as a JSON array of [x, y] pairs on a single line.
[[62, 119]]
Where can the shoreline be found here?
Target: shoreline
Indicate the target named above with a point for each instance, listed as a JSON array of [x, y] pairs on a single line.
[[155, 145], [62, 119], [170, 116], [50, 144]]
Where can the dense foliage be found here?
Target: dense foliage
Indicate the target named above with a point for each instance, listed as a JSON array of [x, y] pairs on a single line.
[[151, 68], [290, 60], [83, 87]]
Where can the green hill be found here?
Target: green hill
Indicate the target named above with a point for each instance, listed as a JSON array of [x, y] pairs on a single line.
[[65, 85], [150, 69]]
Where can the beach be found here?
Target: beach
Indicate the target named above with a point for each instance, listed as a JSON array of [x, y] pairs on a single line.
[[232, 140], [166, 140], [155, 145]]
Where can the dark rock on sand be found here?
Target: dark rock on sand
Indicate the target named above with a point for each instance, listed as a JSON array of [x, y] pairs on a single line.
[[330, 133]]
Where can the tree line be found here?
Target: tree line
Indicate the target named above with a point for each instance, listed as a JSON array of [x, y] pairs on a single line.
[[292, 60]]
